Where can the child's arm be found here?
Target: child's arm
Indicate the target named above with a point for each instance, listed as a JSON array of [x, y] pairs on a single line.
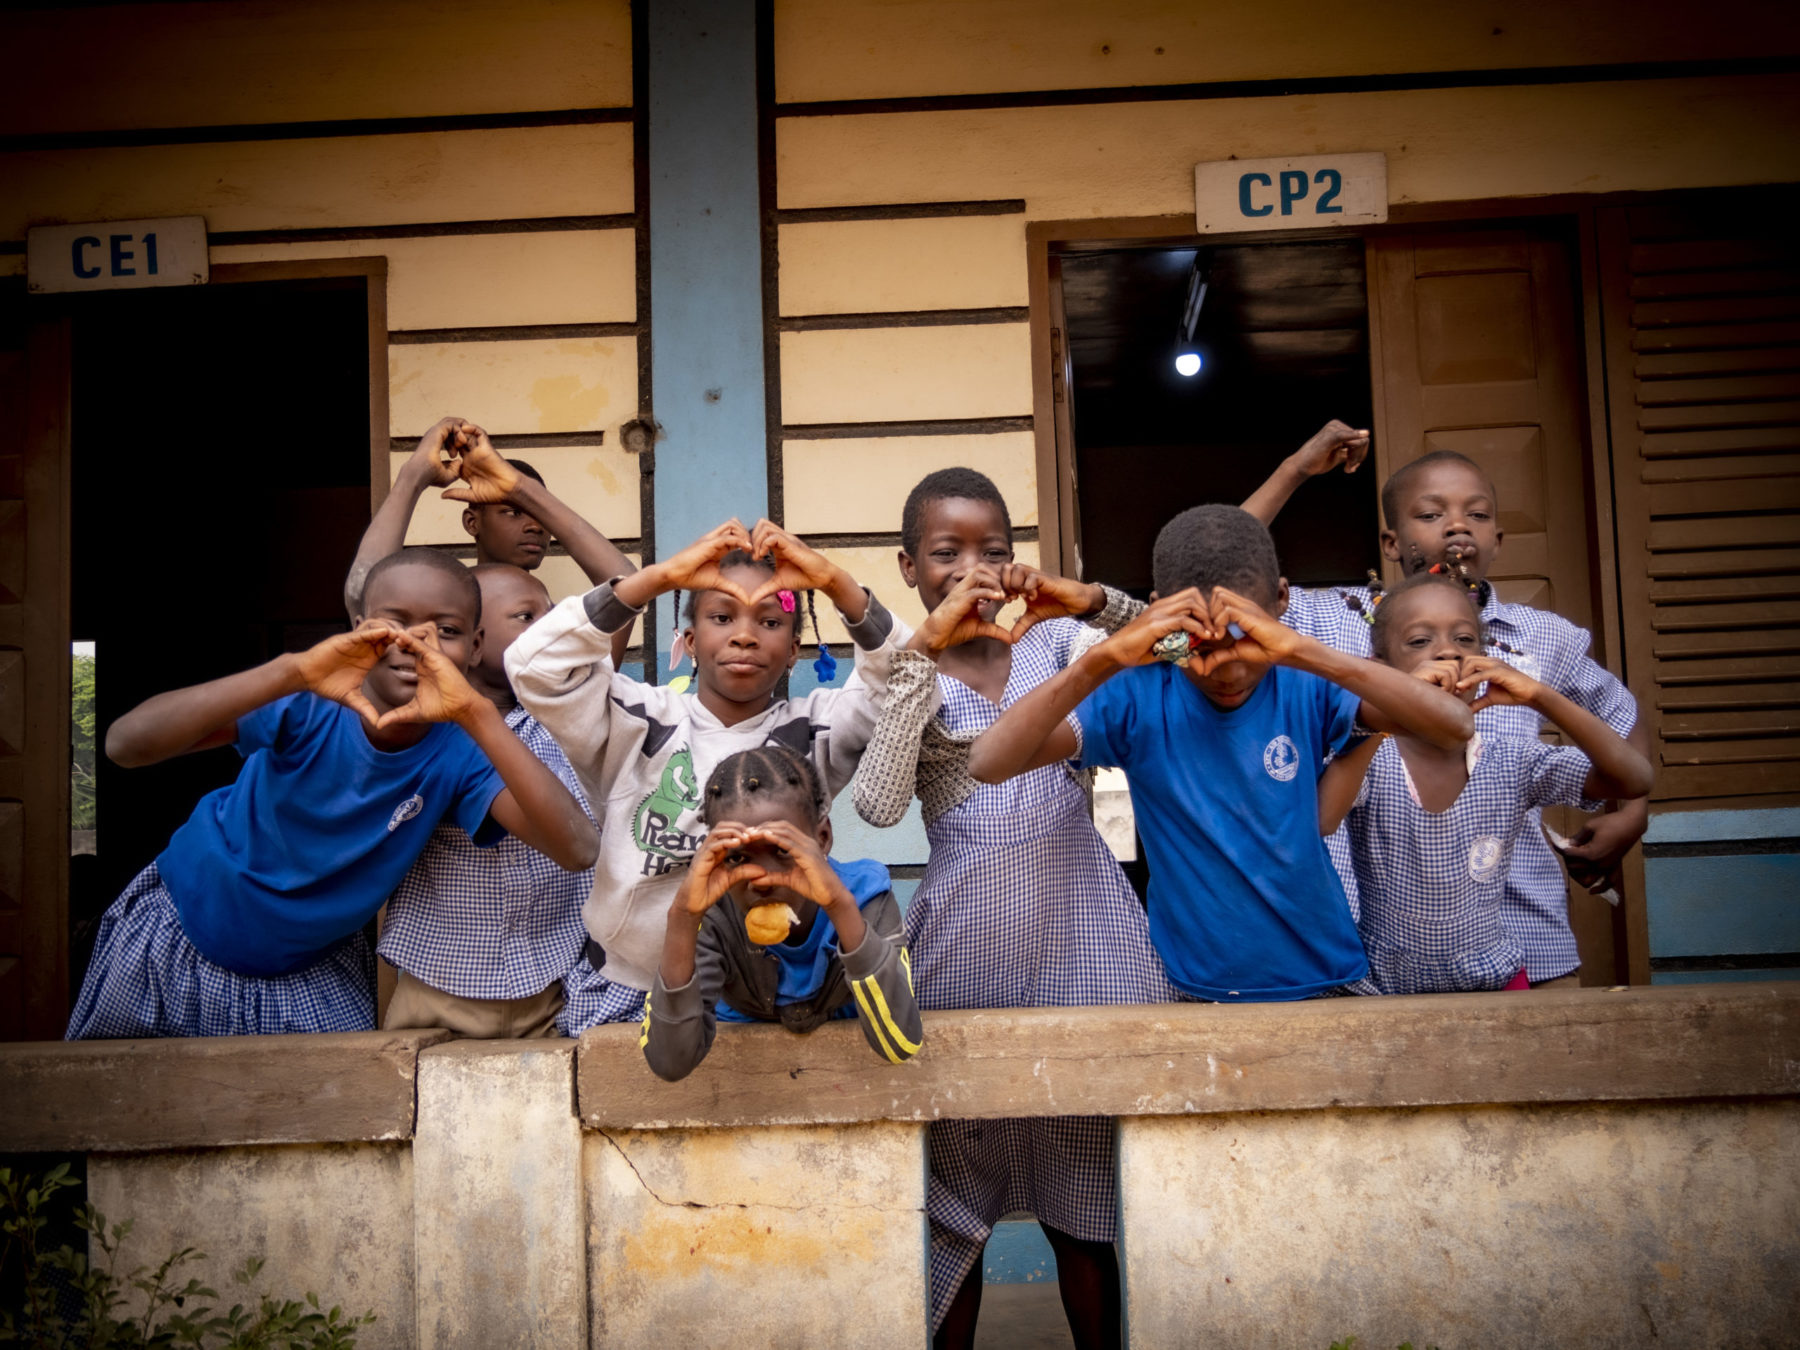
[[203, 716], [1334, 443], [387, 531], [1391, 700], [1619, 771], [678, 1016], [535, 806], [488, 479], [879, 979], [888, 776], [1033, 732], [1342, 781]]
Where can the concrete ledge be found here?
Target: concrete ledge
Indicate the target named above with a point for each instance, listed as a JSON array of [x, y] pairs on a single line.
[[1568, 1045], [134, 1096]]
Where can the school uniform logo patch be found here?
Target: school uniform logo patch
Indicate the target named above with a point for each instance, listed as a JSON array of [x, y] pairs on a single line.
[[405, 812], [1281, 759], [1485, 858]]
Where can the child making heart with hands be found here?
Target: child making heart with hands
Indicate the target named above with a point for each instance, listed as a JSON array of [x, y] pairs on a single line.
[[1433, 829], [834, 948], [250, 921], [642, 751], [1021, 904]]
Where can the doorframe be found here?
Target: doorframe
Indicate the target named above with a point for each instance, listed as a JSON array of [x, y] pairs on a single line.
[[47, 450]]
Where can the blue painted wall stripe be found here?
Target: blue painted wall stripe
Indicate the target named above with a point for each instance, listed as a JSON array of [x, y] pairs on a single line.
[[1722, 976], [1017, 1252], [706, 273], [1698, 827], [1713, 906]]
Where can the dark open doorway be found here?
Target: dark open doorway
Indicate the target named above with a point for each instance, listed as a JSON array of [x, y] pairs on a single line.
[[1283, 333], [221, 465]]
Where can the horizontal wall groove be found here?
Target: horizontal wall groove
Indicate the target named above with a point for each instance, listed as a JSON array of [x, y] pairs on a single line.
[[1022, 534], [532, 440], [230, 133], [1517, 76], [1721, 848], [403, 337], [1736, 961], [432, 229], [819, 215], [943, 426], [904, 318]]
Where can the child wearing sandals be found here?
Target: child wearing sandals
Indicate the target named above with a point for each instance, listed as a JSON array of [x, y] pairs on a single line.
[[1021, 905]]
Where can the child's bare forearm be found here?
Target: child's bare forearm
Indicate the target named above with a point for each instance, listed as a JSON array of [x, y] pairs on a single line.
[[597, 556], [1266, 502], [387, 531], [1341, 781], [198, 717], [1392, 700], [535, 807], [1619, 772], [1016, 742], [680, 941]]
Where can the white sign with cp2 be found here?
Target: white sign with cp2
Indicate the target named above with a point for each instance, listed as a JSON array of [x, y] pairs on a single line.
[[1310, 193], [116, 255]]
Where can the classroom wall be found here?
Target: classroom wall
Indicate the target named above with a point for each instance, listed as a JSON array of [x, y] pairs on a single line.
[[484, 149]]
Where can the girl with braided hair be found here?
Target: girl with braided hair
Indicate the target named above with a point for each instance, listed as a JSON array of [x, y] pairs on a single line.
[[832, 948]]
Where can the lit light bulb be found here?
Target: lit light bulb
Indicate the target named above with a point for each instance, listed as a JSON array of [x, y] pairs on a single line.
[[1188, 363]]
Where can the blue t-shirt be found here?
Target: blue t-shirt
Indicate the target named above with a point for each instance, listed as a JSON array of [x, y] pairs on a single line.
[[804, 964], [1244, 902], [272, 872]]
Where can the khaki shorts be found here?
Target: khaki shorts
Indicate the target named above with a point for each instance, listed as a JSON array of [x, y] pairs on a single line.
[[417, 1004]]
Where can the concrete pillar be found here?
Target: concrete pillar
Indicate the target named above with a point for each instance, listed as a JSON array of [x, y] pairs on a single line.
[[498, 1212], [806, 1237]]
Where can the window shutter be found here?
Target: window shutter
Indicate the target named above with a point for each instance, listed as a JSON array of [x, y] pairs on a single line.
[[1701, 308]]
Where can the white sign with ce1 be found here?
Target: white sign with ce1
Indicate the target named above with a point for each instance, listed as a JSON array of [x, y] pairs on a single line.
[[116, 255], [1310, 193]]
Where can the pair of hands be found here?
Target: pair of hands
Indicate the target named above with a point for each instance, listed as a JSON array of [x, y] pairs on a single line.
[[457, 455], [336, 668], [721, 864], [1224, 627], [798, 566], [1507, 686], [1334, 445], [957, 619]]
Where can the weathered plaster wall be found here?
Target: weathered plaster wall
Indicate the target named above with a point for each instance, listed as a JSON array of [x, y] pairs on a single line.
[[332, 1219], [1594, 1225]]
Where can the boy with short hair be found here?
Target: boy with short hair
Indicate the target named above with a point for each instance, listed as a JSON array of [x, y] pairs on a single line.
[[1441, 512], [249, 922], [1223, 737], [482, 937]]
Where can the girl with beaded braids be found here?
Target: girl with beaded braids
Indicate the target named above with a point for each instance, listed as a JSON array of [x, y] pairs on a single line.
[[642, 751], [834, 948]]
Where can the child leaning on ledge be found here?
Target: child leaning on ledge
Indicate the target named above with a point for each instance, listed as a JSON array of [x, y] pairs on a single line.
[[1224, 754], [249, 923], [1441, 511], [767, 927], [1432, 830]]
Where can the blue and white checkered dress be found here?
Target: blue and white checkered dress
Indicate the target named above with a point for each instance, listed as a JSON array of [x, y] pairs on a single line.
[[1550, 649], [147, 979], [1022, 905], [590, 999], [1432, 882], [490, 923]]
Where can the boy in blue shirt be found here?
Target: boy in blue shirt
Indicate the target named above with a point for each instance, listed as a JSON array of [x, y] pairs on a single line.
[[250, 921], [1223, 738]]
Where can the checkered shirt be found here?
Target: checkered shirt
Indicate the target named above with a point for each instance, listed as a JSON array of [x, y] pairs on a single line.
[[500, 922], [1432, 882], [1553, 651]]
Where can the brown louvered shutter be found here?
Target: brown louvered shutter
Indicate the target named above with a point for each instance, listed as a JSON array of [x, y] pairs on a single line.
[[1702, 335]]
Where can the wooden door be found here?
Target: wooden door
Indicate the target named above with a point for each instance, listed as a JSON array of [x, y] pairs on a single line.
[[34, 677], [1474, 348]]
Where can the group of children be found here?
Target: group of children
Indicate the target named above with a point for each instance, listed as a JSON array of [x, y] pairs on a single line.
[[1337, 792]]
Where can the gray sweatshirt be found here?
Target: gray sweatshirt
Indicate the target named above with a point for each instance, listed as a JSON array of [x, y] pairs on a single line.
[[643, 752], [679, 1024]]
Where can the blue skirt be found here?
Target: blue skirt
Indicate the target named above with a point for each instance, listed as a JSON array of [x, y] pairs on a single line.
[[147, 979], [590, 999]]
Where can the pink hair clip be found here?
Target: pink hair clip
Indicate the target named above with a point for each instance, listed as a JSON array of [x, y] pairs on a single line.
[[787, 601]]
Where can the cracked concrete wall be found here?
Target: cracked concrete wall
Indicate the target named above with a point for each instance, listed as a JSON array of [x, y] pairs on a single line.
[[332, 1219], [499, 1227], [797, 1236], [1592, 1225]]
